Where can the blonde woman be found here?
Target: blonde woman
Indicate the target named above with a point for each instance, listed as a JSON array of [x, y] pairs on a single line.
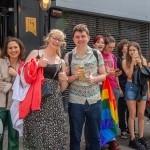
[[46, 129]]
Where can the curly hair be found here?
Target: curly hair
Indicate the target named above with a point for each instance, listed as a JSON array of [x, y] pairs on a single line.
[[120, 46], [19, 42]]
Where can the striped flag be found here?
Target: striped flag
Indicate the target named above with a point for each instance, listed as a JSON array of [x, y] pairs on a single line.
[[109, 125]]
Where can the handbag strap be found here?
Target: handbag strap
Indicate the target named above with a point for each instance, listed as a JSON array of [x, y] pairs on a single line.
[[38, 56]]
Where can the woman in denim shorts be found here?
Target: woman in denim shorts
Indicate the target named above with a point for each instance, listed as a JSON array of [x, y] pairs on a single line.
[[131, 92], [135, 58]]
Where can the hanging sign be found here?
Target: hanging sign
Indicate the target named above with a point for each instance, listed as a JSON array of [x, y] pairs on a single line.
[[31, 25]]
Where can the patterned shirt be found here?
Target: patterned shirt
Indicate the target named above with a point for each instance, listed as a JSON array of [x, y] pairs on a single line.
[[80, 90]]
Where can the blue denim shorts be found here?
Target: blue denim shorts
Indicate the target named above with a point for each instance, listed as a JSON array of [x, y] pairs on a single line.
[[131, 92]]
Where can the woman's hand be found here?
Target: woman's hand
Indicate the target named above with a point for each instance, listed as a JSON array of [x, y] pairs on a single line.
[[120, 92], [118, 72], [42, 62], [138, 61], [111, 73], [12, 71], [62, 76]]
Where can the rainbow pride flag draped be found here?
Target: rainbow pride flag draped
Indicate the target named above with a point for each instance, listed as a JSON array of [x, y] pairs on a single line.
[[109, 126]]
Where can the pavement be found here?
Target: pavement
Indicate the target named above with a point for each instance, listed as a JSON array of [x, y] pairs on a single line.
[[122, 142]]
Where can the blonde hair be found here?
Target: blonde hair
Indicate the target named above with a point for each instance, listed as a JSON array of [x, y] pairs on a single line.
[[58, 52]]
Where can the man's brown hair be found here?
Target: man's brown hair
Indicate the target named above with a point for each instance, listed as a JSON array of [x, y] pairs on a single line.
[[80, 28]]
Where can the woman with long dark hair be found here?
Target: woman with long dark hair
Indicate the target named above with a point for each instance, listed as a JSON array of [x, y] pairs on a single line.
[[14, 51]]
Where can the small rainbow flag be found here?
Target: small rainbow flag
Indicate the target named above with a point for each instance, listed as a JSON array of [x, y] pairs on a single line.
[[109, 125]]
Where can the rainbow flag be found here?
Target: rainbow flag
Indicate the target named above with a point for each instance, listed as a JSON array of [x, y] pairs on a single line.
[[109, 125]]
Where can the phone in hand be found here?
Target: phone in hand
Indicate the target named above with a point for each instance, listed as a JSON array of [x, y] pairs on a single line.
[[117, 70]]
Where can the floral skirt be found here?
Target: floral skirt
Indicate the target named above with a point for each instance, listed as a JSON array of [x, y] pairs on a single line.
[[46, 129]]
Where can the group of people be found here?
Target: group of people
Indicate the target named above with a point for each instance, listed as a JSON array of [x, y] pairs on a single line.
[[83, 71]]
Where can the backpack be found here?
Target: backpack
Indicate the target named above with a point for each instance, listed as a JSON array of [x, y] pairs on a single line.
[[70, 59]]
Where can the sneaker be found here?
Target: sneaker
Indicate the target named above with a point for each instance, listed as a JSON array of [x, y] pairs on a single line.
[[144, 142], [136, 144], [113, 145], [124, 135]]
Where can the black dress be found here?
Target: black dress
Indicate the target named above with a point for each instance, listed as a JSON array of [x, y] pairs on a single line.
[[46, 129]]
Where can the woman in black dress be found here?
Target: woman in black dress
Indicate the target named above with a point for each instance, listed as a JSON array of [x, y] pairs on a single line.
[[46, 129]]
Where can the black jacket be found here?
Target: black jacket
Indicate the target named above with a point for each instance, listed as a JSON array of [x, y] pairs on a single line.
[[140, 78]]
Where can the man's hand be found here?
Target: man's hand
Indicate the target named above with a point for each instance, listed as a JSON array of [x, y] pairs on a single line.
[[90, 78], [62, 76]]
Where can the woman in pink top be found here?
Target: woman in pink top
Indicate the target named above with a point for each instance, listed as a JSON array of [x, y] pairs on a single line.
[[111, 64], [111, 68]]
